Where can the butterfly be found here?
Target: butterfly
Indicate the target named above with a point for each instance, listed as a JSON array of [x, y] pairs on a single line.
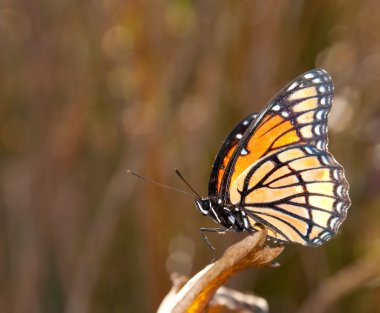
[[274, 169]]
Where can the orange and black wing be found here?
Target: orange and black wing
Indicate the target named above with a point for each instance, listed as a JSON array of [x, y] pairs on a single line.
[[298, 114], [294, 122], [225, 153], [299, 193]]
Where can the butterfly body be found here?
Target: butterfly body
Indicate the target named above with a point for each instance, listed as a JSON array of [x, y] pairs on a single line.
[[274, 169], [229, 216]]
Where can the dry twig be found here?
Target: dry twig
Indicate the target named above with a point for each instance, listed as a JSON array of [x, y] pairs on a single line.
[[340, 284], [198, 292]]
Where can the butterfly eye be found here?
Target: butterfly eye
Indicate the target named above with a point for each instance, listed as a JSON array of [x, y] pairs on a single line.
[[203, 206]]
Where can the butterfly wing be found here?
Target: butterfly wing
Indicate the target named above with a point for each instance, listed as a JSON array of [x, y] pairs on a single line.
[[225, 153], [298, 114], [299, 193], [295, 121]]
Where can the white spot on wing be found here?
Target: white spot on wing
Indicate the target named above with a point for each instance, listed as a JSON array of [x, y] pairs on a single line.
[[276, 107], [285, 114], [322, 89], [339, 190], [244, 152], [325, 161], [239, 136], [316, 80], [336, 174], [308, 150], [292, 86], [323, 101], [319, 115], [318, 129], [246, 122], [309, 75], [320, 145], [325, 236], [339, 207], [335, 223]]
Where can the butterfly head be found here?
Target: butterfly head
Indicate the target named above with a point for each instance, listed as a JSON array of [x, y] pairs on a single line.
[[203, 205]]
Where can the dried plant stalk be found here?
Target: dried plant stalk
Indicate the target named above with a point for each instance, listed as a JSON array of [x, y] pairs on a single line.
[[198, 292], [225, 299], [342, 283]]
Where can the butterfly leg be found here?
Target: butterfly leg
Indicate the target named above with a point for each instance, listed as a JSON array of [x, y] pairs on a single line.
[[220, 230]]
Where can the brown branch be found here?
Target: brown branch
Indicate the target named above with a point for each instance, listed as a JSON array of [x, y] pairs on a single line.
[[224, 299], [341, 284], [198, 292]]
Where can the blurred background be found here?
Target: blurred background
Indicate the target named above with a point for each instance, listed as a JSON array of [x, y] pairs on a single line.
[[89, 89]]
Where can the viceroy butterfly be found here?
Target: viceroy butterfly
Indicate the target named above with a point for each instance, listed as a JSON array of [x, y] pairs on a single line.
[[274, 169]]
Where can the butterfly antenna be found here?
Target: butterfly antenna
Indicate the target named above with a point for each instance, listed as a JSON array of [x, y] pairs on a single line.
[[159, 184], [187, 184]]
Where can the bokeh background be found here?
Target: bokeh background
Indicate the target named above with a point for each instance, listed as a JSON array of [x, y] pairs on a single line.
[[89, 89]]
